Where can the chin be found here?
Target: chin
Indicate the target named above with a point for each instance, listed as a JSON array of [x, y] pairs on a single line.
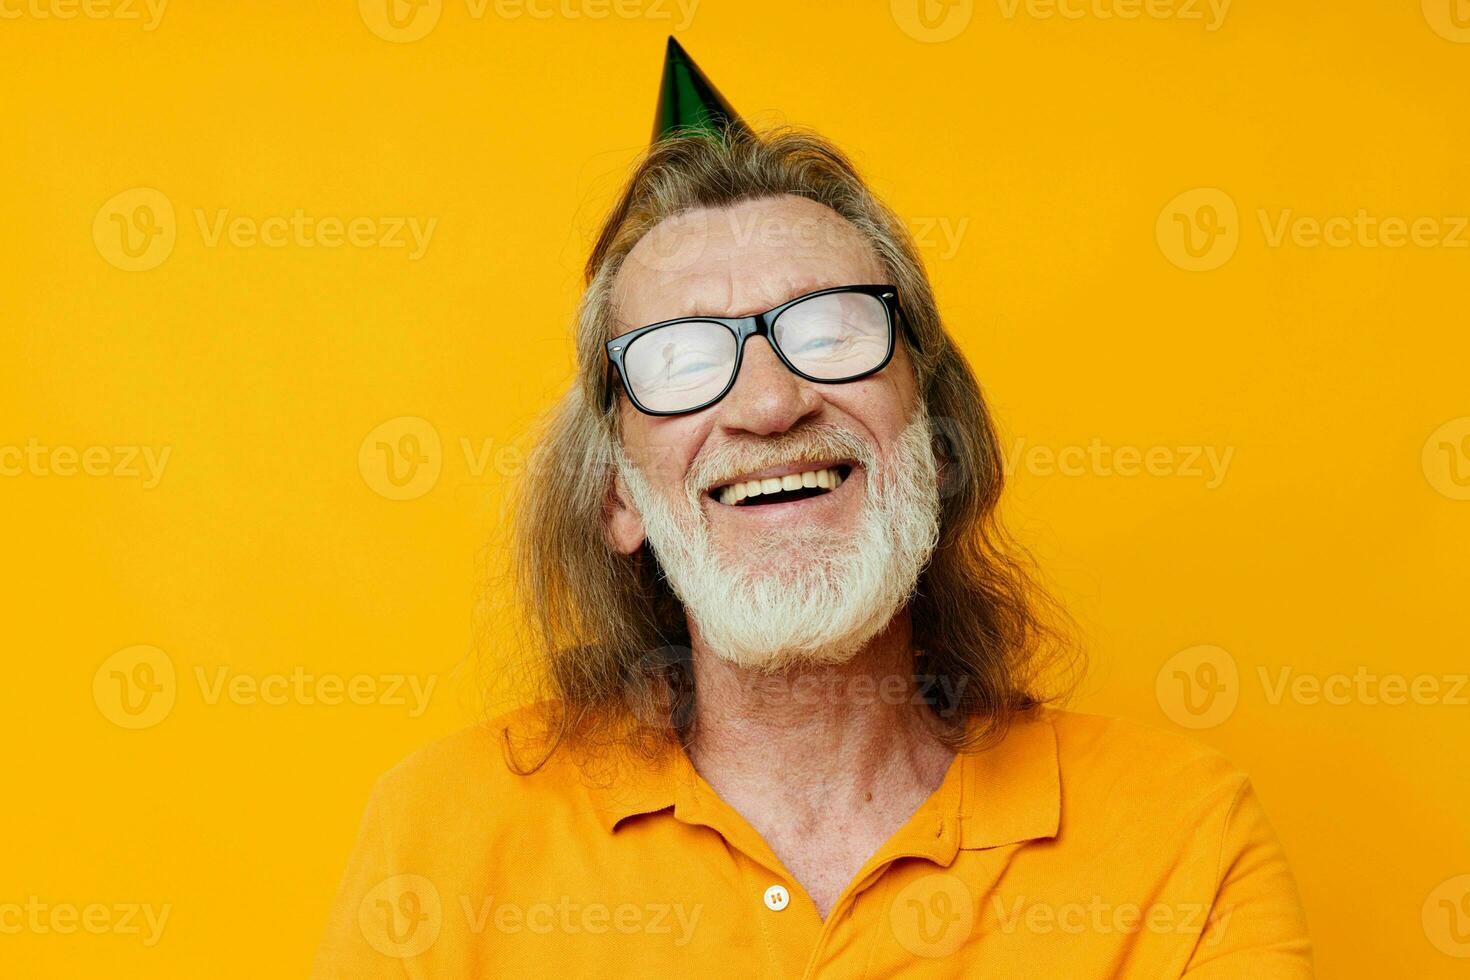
[[784, 623], [782, 659]]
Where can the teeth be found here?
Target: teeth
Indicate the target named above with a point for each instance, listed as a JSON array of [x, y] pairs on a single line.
[[827, 479]]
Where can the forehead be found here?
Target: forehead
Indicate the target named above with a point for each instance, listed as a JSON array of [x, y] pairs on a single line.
[[738, 260]]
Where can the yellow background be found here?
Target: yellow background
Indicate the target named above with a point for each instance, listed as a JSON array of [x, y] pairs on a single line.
[[1038, 158]]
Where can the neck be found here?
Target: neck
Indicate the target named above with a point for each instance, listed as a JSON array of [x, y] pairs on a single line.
[[820, 735]]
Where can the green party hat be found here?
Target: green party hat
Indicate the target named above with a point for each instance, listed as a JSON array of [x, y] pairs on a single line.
[[688, 100]]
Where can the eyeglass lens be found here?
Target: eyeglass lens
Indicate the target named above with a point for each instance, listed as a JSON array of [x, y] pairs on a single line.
[[832, 337]]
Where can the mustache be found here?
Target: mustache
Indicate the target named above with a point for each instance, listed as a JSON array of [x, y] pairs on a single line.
[[811, 443]]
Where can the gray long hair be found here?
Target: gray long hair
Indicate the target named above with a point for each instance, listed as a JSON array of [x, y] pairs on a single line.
[[608, 635]]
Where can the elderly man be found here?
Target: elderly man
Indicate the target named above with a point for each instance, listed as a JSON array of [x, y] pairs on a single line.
[[793, 725]]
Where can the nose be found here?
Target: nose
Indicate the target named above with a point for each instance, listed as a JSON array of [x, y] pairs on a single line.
[[767, 398]]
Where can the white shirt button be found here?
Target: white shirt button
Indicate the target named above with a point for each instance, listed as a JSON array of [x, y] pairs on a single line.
[[777, 898]]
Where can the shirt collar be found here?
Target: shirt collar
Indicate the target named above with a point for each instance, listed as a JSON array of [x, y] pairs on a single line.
[[1006, 793], [634, 785], [1012, 791]]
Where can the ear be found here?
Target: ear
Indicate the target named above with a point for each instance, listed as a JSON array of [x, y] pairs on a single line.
[[622, 524], [948, 466]]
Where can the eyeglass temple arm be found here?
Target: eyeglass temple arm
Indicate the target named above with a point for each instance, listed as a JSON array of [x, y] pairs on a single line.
[[909, 331], [607, 389]]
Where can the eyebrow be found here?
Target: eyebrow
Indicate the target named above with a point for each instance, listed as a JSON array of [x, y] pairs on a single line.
[[794, 288]]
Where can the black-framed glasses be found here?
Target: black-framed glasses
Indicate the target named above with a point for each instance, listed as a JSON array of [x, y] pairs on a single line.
[[831, 336]]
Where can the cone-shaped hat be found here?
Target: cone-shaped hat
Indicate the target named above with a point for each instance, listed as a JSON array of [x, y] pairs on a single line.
[[689, 100]]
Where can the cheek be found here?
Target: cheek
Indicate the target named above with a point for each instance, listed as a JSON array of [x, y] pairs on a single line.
[[899, 374], [881, 405], [661, 449]]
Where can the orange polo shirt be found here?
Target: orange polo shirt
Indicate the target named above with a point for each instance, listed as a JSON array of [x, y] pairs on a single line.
[[1078, 847]]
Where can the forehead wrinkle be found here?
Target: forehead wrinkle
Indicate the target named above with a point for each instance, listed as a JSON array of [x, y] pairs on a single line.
[[712, 291], [712, 296], [767, 295]]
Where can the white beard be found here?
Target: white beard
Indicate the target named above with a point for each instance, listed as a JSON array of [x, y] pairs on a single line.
[[803, 596]]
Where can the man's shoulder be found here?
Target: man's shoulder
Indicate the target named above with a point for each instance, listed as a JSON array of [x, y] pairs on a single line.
[[1116, 755], [492, 766]]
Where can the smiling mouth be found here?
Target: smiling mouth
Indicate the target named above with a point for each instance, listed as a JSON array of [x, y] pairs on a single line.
[[782, 489]]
